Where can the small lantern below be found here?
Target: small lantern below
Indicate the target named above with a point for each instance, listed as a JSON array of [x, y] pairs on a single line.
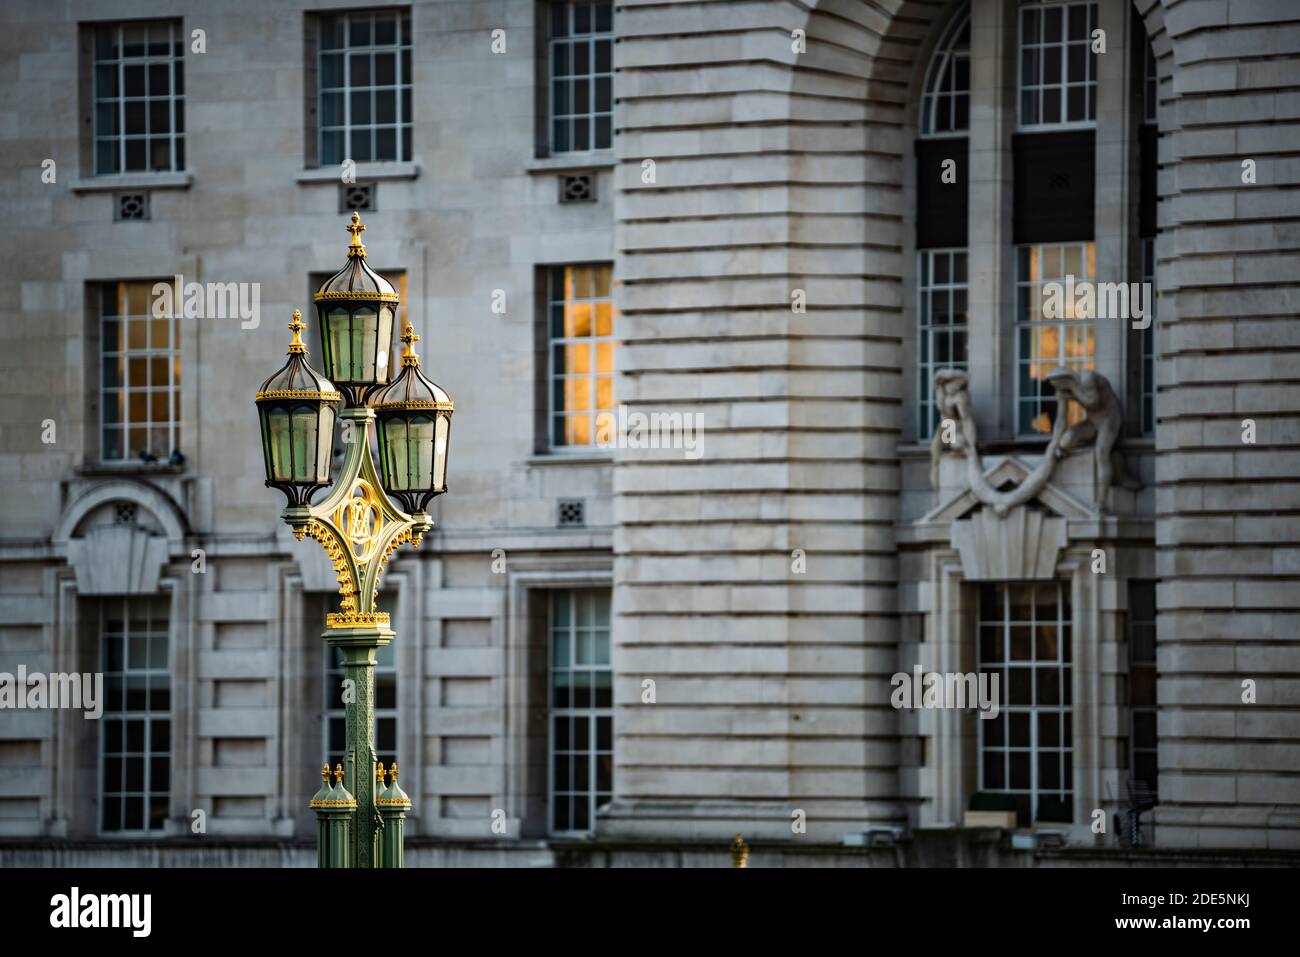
[[297, 407], [414, 426]]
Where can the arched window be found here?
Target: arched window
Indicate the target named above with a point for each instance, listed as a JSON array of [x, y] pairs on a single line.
[[941, 306], [1060, 234], [1026, 263], [945, 104]]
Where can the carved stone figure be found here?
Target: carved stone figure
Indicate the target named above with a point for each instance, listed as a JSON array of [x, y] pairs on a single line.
[[952, 399], [1102, 424], [1103, 420]]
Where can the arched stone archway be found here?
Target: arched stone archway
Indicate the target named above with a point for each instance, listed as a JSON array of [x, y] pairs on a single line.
[[120, 557]]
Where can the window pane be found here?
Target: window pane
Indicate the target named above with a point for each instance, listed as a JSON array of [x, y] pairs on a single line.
[[1026, 752], [141, 354], [581, 350], [940, 324], [948, 81], [1056, 73], [135, 747], [580, 61], [581, 722]]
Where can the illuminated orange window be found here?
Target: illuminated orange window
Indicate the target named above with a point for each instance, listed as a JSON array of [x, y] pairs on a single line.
[[581, 318], [140, 375], [1045, 342]]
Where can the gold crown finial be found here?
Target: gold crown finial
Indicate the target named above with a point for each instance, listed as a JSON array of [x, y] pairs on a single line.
[[296, 327], [409, 358], [325, 773], [393, 772], [338, 774], [379, 771], [356, 228], [739, 852]]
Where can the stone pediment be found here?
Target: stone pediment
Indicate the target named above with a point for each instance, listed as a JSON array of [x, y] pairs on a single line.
[[117, 560], [1022, 545], [118, 536], [1003, 470]]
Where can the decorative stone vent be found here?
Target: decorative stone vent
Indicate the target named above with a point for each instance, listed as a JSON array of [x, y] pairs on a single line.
[[578, 188], [572, 512], [358, 197], [130, 206]]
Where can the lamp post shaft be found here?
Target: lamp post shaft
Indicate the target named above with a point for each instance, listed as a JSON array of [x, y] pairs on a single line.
[[359, 648]]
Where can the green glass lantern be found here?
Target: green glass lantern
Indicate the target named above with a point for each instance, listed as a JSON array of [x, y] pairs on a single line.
[[413, 421], [297, 407], [355, 309]]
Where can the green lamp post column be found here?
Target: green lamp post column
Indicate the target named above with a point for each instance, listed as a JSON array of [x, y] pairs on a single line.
[[358, 646]]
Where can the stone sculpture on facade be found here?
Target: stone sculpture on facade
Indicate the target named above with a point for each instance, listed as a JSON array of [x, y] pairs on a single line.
[[952, 399], [1103, 420]]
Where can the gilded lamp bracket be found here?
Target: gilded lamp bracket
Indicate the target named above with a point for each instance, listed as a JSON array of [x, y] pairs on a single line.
[[358, 526]]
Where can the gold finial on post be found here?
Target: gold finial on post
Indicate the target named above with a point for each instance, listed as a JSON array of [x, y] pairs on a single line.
[[739, 852], [338, 774], [409, 338], [356, 228], [325, 773], [379, 771], [296, 327], [393, 772]]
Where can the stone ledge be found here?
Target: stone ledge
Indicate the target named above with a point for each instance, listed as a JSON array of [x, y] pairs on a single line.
[[569, 458], [571, 163], [127, 181], [365, 172]]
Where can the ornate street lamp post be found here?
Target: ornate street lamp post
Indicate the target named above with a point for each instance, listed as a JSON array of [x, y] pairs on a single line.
[[359, 523]]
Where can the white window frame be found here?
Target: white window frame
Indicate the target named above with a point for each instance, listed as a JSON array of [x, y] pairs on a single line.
[[176, 66], [1064, 326], [928, 332], [1062, 83], [170, 353], [152, 609], [591, 40], [401, 87], [943, 63], [1062, 663], [597, 633]]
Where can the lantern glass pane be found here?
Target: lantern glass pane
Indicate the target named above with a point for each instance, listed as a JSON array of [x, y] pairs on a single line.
[[420, 441], [304, 443], [277, 437], [384, 361], [440, 451], [364, 344], [393, 454], [338, 356], [266, 443], [324, 445]]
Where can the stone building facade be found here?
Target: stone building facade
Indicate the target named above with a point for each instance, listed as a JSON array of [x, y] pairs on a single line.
[[784, 218]]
